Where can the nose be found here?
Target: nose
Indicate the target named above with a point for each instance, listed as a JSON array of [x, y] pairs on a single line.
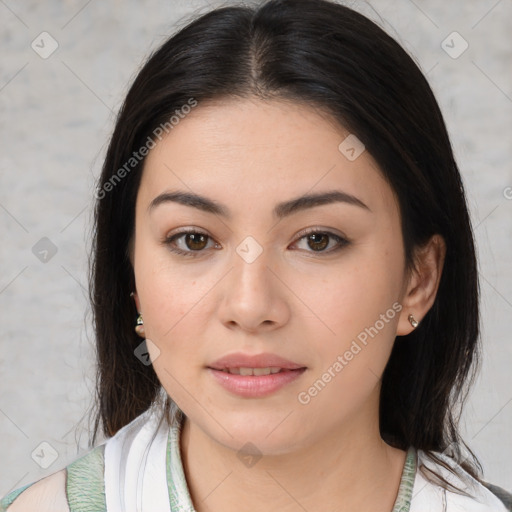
[[254, 296]]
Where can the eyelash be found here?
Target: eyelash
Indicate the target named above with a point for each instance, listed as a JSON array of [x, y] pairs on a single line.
[[342, 242]]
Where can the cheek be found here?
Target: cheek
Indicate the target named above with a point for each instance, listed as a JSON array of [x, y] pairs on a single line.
[[359, 310], [167, 298], [174, 314], [175, 311], [354, 295], [350, 363], [168, 291]]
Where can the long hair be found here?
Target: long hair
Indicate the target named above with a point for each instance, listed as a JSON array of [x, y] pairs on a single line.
[[334, 59]]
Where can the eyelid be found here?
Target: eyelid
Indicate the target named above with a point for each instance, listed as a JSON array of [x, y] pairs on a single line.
[[320, 229], [188, 229]]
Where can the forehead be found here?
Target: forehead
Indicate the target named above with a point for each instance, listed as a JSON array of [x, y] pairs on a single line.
[[253, 151]]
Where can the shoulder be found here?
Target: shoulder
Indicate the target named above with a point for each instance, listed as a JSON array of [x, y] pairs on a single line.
[[430, 494], [79, 486], [45, 495]]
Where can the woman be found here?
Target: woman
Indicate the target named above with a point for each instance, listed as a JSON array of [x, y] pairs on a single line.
[[284, 281]]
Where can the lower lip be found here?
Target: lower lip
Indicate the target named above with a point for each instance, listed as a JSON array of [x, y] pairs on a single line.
[[255, 386]]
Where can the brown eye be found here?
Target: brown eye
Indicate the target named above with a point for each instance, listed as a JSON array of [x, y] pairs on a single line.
[[195, 241], [317, 241], [188, 243]]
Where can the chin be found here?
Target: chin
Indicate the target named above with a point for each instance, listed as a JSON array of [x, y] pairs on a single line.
[[264, 435]]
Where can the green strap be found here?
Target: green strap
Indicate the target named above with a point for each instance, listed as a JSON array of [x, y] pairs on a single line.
[[403, 500], [179, 494], [85, 482]]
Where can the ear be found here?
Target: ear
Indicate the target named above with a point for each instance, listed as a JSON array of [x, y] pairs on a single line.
[[423, 283], [136, 299]]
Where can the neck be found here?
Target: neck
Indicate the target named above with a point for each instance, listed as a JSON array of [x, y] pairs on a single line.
[[336, 473]]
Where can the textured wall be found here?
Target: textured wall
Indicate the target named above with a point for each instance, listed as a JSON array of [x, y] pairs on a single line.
[[57, 111]]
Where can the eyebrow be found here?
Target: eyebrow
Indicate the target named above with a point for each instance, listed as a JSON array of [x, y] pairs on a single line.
[[280, 211]]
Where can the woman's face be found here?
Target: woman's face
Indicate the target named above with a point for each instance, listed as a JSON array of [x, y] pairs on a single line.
[[252, 280]]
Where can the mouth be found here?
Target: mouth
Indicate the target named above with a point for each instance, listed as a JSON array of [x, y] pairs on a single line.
[[254, 375], [247, 382]]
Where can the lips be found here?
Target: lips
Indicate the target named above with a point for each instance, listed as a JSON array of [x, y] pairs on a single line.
[[241, 364], [254, 376]]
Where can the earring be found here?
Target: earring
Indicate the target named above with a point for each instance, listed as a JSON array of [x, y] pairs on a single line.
[[139, 328], [413, 321]]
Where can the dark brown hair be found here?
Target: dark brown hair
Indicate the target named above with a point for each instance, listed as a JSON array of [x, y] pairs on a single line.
[[332, 58]]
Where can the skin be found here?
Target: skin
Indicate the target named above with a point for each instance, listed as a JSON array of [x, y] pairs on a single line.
[[293, 300]]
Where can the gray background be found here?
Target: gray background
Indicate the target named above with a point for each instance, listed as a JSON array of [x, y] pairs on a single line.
[[56, 116]]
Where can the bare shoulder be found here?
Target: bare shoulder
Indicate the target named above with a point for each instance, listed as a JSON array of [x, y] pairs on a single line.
[[45, 495]]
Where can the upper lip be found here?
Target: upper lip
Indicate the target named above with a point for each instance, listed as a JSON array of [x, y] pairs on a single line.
[[264, 360]]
